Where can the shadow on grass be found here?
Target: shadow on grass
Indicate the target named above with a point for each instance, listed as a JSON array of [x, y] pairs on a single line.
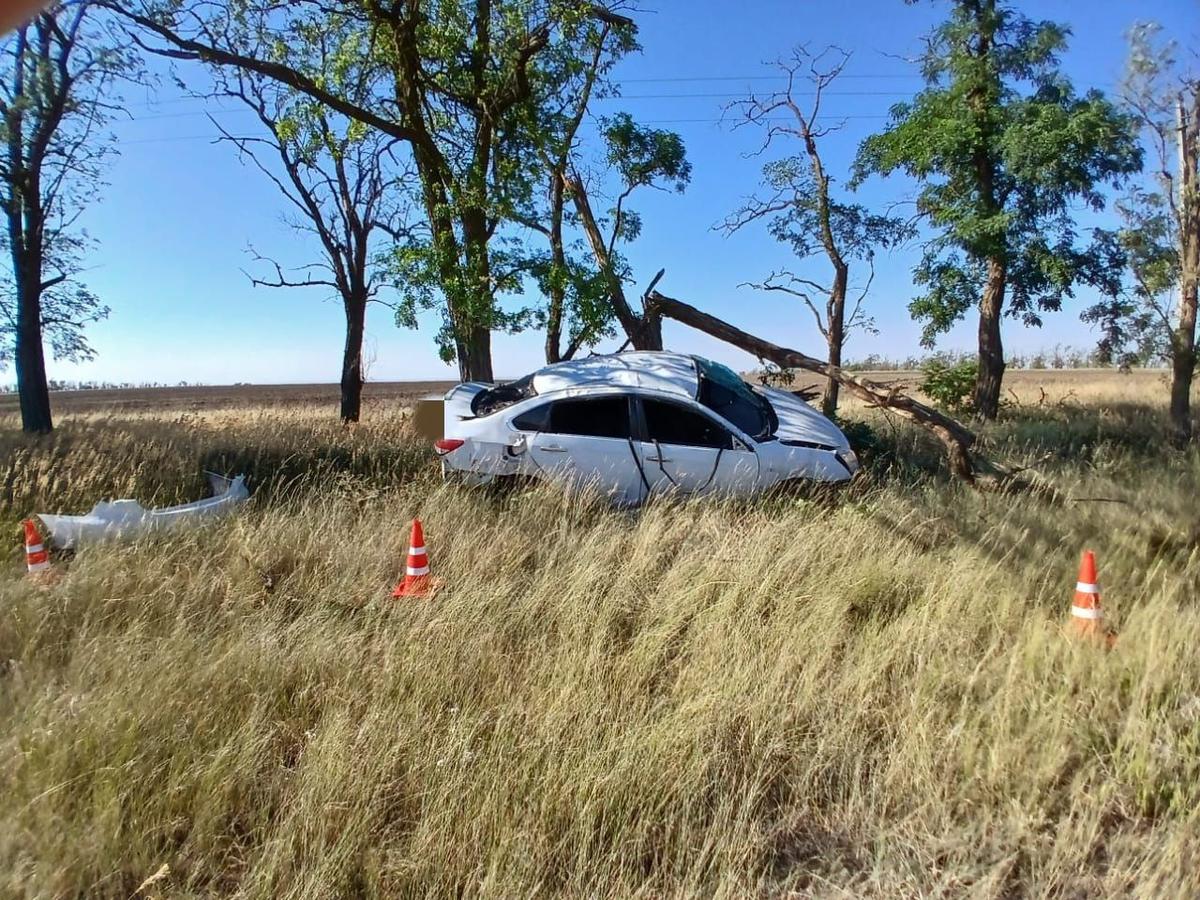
[[1122, 479], [277, 473]]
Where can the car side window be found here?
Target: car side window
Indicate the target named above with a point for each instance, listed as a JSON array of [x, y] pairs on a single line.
[[670, 423], [535, 419], [590, 417]]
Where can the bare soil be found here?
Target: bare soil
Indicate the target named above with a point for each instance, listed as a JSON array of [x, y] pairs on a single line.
[[1021, 385]]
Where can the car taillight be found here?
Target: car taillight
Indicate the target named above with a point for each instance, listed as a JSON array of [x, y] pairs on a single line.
[[447, 445]]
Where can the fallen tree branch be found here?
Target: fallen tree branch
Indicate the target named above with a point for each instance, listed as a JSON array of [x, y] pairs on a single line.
[[956, 439]]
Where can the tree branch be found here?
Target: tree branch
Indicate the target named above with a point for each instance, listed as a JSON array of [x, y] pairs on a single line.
[[189, 49], [956, 439]]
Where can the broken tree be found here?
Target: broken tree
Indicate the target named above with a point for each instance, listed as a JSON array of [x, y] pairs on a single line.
[[956, 439]]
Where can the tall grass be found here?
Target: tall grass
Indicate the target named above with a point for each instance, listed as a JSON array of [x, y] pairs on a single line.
[[871, 697]]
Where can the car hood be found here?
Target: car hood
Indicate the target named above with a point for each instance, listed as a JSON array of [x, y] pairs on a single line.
[[800, 422]]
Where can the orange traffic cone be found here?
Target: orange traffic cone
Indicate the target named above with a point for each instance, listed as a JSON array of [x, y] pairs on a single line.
[[417, 581], [1087, 617], [37, 560]]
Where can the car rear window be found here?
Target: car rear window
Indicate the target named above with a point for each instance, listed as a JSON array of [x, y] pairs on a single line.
[[497, 398]]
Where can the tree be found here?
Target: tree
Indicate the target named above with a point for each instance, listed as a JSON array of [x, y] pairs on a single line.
[[640, 157], [575, 292], [1135, 321], [1000, 169], [1161, 228], [464, 81], [342, 178], [56, 83], [802, 211], [588, 296]]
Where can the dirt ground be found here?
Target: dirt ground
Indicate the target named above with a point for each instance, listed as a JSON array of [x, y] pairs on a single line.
[[210, 396], [1024, 386], [1048, 386]]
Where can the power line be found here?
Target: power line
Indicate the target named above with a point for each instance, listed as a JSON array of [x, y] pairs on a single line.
[[198, 113], [176, 138], [705, 121], [680, 79], [832, 118], [736, 96], [779, 77]]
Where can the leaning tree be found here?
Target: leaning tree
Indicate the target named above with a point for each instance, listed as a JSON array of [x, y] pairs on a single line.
[[57, 75], [1003, 149]]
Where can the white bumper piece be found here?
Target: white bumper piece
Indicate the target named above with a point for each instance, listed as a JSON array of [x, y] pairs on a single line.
[[122, 518]]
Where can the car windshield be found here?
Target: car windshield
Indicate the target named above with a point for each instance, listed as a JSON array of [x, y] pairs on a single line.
[[724, 392]]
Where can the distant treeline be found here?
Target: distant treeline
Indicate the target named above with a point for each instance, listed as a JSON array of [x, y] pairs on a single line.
[[1056, 357], [57, 385]]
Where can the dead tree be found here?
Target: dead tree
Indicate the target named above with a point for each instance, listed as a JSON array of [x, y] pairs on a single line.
[[1162, 233], [956, 439], [804, 212]]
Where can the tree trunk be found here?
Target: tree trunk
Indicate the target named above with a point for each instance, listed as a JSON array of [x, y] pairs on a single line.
[[474, 349], [836, 336], [558, 259], [352, 368], [1183, 342], [1183, 368], [32, 387], [955, 438], [980, 103], [991, 347], [474, 329]]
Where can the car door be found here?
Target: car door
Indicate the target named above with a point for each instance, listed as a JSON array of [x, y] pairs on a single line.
[[584, 442], [686, 450]]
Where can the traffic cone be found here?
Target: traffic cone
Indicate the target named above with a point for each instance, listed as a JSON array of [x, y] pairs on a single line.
[[417, 582], [1087, 616], [37, 560]]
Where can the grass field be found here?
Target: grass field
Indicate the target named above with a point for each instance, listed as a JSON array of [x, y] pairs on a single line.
[[866, 697]]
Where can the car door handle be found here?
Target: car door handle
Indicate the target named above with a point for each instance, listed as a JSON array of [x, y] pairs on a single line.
[[553, 448], [659, 459]]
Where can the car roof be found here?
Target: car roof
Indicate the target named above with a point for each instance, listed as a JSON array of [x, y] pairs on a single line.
[[671, 373]]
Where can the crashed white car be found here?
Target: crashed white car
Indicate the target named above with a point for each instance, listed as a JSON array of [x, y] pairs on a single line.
[[633, 425]]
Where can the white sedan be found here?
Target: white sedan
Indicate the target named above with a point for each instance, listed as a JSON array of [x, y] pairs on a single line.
[[633, 425]]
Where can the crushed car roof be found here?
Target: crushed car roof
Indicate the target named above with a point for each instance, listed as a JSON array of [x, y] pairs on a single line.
[[673, 373]]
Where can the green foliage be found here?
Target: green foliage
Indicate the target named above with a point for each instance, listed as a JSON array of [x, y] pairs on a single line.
[[469, 88], [1004, 151], [587, 312], [863, 438], [857, 232], [1137, 321], [644, 156], [951, 384], [59, 80]]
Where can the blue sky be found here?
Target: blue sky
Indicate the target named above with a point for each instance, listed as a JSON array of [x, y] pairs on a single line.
[[180, 211]]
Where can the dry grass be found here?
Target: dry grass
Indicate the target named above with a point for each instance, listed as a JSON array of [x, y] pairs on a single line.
[[867, 698]]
